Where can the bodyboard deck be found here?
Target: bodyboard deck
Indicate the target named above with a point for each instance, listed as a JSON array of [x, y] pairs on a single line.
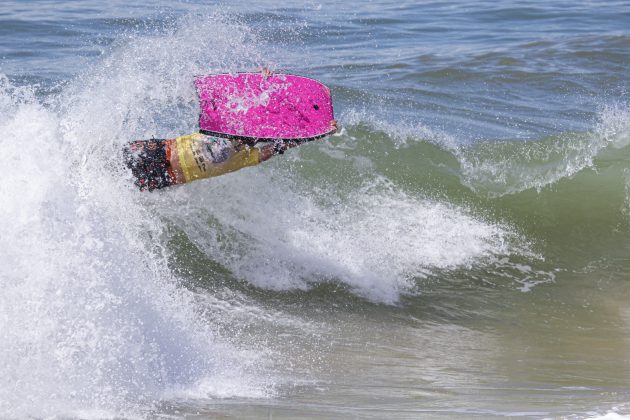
[[264, 108]]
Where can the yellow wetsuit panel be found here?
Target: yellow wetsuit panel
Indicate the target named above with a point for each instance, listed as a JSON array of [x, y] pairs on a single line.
[[202, 156]]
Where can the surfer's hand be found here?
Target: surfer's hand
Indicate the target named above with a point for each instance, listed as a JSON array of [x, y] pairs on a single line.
[[333, 125], [266, 152], [276, 148], [238, 144], [265, 71]]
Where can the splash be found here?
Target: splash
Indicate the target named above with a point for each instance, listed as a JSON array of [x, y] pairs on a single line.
[[92, 320], [614, 125], [378, 241]]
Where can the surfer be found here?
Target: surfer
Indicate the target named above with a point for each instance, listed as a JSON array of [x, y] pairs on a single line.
[[159, 163]]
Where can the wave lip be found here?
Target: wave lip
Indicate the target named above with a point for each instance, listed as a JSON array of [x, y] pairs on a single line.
[[501, 168]]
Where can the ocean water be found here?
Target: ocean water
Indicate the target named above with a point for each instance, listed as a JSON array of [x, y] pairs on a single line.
[[460, 249]]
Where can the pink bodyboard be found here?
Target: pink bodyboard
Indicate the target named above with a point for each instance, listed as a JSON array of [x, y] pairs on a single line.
[[276, 107]]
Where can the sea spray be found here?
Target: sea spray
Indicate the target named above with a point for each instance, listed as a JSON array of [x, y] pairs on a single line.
[[92, 318]]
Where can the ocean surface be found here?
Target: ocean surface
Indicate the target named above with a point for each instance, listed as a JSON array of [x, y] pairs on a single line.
[[460, 249]]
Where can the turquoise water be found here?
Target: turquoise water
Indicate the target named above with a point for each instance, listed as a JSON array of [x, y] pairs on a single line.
[[459, 250]]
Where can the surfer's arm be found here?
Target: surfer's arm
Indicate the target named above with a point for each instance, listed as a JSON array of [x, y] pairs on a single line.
[[272, 149], [159, 163]]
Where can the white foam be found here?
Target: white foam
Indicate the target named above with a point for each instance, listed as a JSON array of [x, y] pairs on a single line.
[[91, 319], [378, 240]]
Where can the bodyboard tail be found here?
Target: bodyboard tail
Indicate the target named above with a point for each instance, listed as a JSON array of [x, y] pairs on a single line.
[[264, 108]]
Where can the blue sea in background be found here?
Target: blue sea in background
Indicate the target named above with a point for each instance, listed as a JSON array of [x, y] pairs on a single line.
[[459, 249]]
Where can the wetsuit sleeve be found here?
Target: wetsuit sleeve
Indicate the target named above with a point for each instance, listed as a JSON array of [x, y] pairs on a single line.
[[201, 156]]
